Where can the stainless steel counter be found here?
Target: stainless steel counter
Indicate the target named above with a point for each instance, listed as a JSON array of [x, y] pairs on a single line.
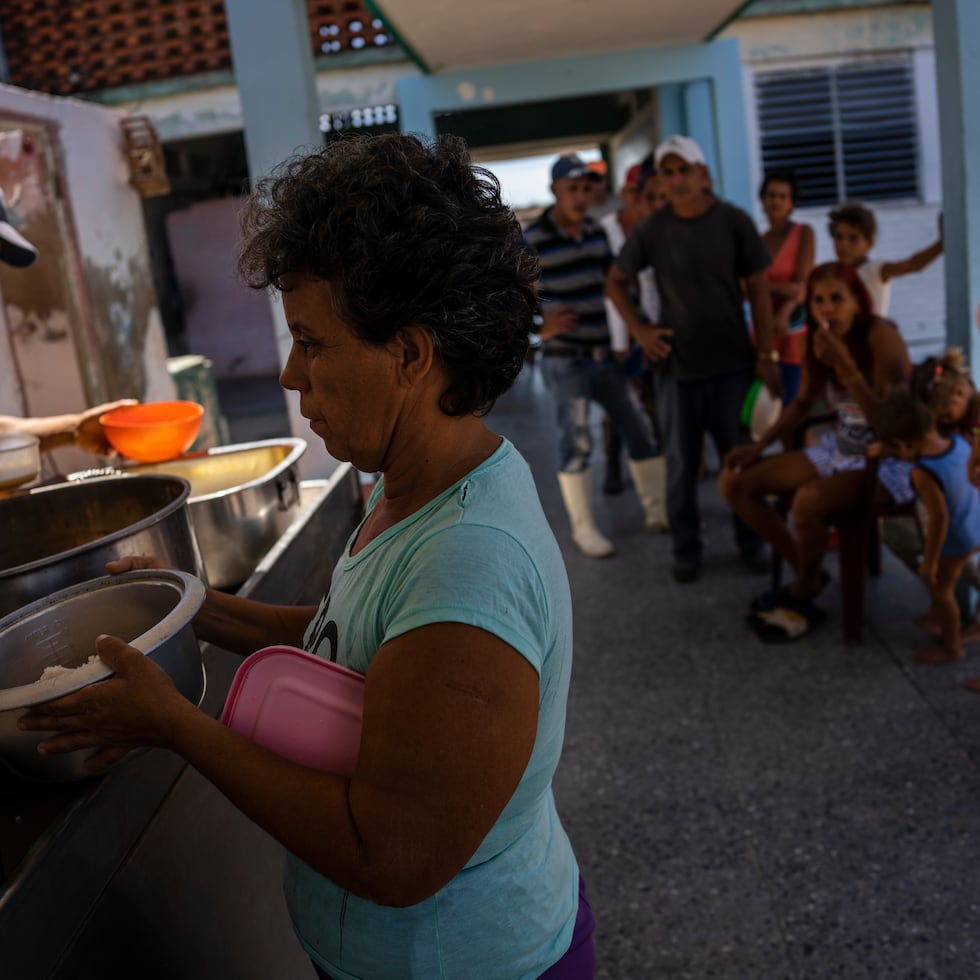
[[147, 871]]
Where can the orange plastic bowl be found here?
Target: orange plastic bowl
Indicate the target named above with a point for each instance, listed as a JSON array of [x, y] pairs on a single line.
[[152, 432]]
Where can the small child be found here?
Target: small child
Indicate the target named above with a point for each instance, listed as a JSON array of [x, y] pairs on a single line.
[[854, 229], [907, 430], [944, 386]]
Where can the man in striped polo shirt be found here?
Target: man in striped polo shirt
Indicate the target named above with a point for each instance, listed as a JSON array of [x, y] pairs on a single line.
[[577, 362]]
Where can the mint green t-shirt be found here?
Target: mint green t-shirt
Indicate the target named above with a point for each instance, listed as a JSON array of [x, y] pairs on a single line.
[[482, 553]]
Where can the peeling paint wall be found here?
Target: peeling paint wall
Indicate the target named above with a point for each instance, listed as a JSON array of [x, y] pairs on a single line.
[[104, 237], [123, 301]]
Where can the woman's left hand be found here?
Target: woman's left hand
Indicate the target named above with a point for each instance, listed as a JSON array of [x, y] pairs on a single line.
[[135, 708], [832, 351]]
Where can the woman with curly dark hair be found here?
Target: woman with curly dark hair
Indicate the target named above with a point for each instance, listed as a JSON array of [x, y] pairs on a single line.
[[852, 358], [409, 297]]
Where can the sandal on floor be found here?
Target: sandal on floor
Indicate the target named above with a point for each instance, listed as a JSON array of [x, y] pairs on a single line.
[[769, 599], [787, 622], [773, 598]]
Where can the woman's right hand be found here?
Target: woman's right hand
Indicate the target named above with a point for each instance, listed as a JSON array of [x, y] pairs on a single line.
[[742, 457], [132, 563]]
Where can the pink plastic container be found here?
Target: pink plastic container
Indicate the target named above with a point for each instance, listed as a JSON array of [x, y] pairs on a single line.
[[299, 706]]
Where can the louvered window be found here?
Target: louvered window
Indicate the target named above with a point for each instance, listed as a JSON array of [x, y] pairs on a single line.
[[849, 131]]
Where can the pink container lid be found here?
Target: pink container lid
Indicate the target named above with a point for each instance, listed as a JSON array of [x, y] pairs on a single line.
[[299, 706]]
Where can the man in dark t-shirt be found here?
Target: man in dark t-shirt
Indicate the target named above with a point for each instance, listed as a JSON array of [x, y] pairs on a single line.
[[702, 250]]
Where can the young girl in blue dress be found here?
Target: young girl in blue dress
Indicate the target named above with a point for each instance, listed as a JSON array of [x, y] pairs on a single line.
[[907, 429]]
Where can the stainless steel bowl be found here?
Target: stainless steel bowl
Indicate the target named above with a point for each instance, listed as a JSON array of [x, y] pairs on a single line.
[[151, 609], [57, 536], [20, 459], [243, 498]]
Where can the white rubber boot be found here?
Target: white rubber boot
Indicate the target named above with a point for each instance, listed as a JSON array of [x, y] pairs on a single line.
[[575, 491], [650, 480]]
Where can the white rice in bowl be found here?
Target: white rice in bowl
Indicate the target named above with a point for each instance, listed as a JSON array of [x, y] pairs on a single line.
[[51, 673]]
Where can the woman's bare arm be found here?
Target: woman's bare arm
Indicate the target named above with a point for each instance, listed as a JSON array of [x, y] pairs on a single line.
[[450, 718], [232, 622], [243, 626]]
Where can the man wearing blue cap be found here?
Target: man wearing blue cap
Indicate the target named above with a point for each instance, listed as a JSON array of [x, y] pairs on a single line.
[[577, 361], [702, 250]]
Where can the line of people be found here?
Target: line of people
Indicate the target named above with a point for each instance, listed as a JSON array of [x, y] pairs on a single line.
[[679, 277], [701, 250]]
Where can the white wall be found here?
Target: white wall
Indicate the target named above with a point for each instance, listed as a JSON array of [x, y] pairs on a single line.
[[800, 40], [112, 303]]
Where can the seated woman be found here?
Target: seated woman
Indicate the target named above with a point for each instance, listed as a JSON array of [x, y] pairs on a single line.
[[852, 357]]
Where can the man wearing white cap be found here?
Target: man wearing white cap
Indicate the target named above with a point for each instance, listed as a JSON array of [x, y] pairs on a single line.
[[577, 359], [702, 249]]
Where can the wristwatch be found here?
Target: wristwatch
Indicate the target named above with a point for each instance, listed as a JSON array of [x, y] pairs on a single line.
[[769, 355]]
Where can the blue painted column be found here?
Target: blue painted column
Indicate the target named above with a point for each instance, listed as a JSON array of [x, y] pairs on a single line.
[[704, 109], [956, 26], [699, 110], [730, 127], [671, 113], [273, 61]]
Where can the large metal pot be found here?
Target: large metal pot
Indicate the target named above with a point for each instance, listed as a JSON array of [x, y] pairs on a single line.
[[57, 536], [150, 609], [243, 498]]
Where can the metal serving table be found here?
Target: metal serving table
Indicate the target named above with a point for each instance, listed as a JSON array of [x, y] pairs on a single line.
[[148, 871]]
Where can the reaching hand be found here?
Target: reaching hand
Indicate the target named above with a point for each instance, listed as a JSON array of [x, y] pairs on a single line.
[[89, 434], [133, 563]]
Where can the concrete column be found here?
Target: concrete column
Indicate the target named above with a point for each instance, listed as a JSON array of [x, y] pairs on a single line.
[[671, 113], [700, 112], [711, 111], [731, 128], [956, 25], [273, 61]]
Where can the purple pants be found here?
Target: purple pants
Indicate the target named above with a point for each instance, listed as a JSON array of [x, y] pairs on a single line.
[[578, 963]]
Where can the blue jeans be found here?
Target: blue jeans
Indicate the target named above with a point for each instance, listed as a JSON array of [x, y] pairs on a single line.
[[574, 382], [688, 410]]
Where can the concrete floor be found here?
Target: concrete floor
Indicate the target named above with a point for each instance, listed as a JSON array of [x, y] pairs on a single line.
[[749, 812]]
